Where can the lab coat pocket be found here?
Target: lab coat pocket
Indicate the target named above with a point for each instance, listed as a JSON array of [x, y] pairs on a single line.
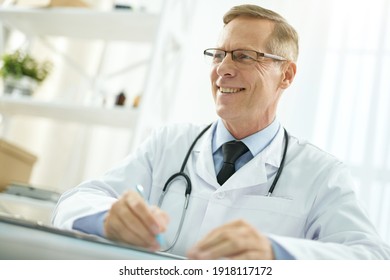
[[270, 214]]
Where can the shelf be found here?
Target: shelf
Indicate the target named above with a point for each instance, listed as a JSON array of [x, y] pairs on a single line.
[[83, 23], [121, 117]]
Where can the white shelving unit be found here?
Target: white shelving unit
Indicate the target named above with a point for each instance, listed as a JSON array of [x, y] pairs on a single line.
[[89, 24], [83, 23], [166, 31], [115, 117]]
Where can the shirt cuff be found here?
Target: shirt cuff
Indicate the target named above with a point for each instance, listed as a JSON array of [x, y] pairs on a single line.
[[279, 252], [91, 224]]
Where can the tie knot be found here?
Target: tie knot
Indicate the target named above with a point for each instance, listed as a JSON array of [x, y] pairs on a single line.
[[233, 150]]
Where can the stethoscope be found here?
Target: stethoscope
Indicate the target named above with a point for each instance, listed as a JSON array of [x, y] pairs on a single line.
[[188, 183]]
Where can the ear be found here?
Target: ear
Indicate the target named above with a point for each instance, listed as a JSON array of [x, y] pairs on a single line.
[[289, 70]]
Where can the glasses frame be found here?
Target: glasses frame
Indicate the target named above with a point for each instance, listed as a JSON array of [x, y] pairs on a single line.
[[259, 54]]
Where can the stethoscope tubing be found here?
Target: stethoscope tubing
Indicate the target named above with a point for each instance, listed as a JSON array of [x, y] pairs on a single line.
[[281, 166]]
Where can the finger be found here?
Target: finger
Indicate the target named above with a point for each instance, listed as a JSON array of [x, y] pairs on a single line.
[[145, 222], [216, 236], [124, 224], [141, 209], [236, 240], [258, 248], [117, 232], [136, 230], [161, 216], [120, 224], [221, 244]]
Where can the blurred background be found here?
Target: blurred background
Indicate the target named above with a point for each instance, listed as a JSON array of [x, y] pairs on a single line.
[[339, 101]]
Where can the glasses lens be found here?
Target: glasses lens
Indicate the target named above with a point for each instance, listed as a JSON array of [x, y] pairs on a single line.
[[214, 56], [244, 56]]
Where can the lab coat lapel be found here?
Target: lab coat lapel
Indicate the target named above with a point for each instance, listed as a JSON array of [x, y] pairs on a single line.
[[251, 174], [204, 166]]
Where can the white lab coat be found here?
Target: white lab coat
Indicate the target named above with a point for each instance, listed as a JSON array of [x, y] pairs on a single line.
[[313, 212]]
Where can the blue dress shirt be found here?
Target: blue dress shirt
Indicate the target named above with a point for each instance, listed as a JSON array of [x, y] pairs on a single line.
[[255, 143]]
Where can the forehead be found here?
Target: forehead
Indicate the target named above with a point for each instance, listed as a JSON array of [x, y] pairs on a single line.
[[245, 32]]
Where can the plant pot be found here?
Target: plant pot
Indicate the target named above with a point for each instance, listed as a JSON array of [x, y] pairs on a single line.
[[23, 86]]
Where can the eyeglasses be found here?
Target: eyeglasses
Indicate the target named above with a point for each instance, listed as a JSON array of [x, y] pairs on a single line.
[[215, 56]]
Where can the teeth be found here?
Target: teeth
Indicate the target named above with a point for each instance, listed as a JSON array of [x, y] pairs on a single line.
[[229, 90]]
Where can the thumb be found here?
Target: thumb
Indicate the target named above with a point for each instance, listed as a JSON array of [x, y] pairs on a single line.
[[161, 217]]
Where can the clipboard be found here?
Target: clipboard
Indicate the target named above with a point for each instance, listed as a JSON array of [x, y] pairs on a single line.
[[21, 239]]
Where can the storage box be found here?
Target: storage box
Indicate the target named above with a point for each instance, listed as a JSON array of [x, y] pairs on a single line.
[[16, 164]]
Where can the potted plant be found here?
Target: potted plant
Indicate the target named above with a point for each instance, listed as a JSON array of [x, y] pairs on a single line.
[[22, 73]]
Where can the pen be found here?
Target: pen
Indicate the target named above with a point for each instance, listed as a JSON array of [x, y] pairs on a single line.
[[140, 190]]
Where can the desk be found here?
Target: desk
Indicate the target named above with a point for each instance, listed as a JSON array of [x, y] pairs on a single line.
[[27, 208], [20, 239]]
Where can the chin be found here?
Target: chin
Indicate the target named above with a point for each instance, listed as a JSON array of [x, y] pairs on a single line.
[[223, 112]]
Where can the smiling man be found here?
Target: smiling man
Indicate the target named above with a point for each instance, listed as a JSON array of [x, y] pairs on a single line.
[[248, 83], [241, 188]]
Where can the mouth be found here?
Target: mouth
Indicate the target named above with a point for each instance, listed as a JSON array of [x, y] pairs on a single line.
[[230, 90]]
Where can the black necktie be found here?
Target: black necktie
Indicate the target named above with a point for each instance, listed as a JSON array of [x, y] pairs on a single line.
[[231, 152]]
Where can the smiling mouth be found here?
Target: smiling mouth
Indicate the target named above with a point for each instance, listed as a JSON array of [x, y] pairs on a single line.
[[230, 90]]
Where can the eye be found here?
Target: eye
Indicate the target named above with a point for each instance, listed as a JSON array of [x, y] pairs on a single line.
[[218, 56], [245, 56]]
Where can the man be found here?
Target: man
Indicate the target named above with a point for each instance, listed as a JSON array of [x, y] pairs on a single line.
[[287, 199]]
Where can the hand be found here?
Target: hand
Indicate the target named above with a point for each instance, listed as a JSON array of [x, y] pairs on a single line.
[[132, 220], [236, 240]]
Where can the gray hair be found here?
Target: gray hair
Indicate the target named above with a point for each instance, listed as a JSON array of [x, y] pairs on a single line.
[[284, 38]]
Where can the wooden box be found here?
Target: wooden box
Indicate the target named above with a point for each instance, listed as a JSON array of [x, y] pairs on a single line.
[[16, 164]]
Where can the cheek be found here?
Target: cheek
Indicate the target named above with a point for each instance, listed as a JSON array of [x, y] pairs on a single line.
[[213, 75], [266, 78], [261, 73], [213, 80]]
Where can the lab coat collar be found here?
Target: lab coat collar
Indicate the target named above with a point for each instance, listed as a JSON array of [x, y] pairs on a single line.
[[274, 152], [255, 142], [253, 173], [204, 166]]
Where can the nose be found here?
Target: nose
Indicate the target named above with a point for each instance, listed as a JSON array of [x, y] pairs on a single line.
[[227, 67]]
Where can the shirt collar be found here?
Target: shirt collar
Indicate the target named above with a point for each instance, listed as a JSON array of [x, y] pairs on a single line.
[[255, 142]]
